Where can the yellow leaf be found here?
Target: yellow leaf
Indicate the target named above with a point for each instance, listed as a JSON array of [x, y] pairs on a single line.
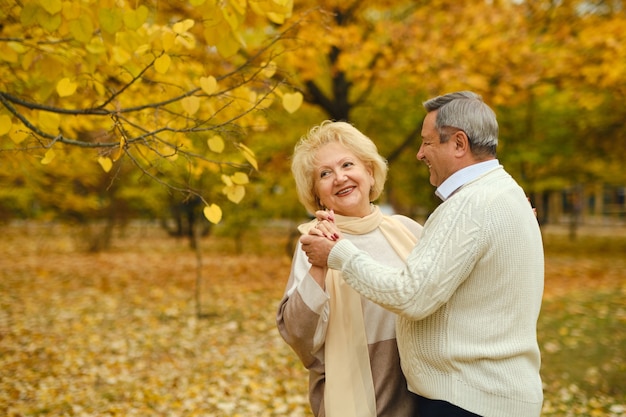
[[186, 40], [71, 10], [27, 59], [82, 29], [96, 46], [162, 63], [278, 18], [191, 104], [231, 17], [228, 45], [110, 20], [133, 19], [239, 6], [105, 162], [48, 22], [119, 55], [292, 101], [7, 53], [264, 103], [66, 87], [235, 193], [216, 144], [213, 213], [249, 155], [269, 69], [120, 150], [197, 2], [184, 26], [168, 39], [240, 178], [48, 157], [208, 84], [5, 124], [49, 122], [275, 10], [18, 135], [51, 6], [227, 180], [143, 48], [117, 154]]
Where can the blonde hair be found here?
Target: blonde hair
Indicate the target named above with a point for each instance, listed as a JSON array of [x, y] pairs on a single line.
[[303, 159]]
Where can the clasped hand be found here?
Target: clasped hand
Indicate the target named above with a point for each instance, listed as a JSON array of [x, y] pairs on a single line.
[[321, 238]]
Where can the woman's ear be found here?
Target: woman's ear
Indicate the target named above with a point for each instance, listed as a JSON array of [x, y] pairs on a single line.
[[370, 171], [320, 205]]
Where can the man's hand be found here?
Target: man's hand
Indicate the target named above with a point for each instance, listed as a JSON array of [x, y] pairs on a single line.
[[317, 249]]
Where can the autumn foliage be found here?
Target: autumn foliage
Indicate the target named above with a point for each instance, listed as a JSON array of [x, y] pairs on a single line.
[[116, 333], [116, 106], [169, 88]]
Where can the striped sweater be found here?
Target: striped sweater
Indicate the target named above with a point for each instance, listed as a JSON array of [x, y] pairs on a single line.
[[302, 322]]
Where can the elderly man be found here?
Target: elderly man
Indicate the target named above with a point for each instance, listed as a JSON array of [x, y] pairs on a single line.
[[469, 296]]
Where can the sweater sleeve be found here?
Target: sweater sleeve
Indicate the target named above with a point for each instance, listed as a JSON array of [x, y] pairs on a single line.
[[438, 264], [302, 317]]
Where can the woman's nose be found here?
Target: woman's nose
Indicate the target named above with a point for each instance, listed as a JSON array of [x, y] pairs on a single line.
[[340, 177]]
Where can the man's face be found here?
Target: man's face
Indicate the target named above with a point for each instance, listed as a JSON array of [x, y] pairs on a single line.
[[439, 157]]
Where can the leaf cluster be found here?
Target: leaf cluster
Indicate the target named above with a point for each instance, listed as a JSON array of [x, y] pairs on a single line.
[[115, 333], [171, 87]]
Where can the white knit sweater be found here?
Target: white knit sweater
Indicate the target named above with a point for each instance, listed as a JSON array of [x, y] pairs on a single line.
[[468, 300]]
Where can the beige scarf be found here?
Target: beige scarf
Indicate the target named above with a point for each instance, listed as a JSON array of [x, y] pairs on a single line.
[[349, 389]]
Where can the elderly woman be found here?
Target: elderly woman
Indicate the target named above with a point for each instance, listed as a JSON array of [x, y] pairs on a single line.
[[347, 343]]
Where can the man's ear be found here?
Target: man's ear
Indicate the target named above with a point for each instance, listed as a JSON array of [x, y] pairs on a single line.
[[461, 142]]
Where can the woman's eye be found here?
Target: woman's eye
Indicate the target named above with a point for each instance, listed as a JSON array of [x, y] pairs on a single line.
[[324, 174], [348, 164]]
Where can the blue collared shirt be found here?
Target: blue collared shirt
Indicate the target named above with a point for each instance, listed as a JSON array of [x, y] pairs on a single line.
[[463, 176]]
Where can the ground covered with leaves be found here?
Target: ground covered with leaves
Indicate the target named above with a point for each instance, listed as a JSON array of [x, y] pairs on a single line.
[[117, 333]]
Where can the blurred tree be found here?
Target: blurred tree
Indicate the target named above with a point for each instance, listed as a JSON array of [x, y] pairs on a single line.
[[540, 64], [170, 88], [553, 71]]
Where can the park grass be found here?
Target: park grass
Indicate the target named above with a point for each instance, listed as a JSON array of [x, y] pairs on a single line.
[[582, 327], [116, 333]]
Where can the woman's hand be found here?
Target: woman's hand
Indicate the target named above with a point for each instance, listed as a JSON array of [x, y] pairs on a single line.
[[325, 215], [326, 226]]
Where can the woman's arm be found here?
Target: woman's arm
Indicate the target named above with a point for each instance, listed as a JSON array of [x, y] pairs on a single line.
[[302, 316]]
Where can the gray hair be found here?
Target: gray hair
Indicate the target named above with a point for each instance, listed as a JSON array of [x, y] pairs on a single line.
[[466, 111]]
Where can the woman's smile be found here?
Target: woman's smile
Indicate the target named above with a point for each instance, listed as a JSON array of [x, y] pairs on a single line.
[[343, 182], [344, 191]]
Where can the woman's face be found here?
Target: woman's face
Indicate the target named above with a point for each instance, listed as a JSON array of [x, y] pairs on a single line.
[[342, 181]]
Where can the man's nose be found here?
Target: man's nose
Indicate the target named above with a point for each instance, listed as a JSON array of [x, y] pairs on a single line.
[[420, 154]]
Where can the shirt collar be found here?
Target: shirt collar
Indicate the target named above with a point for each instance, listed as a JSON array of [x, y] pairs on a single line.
[[463, 176]]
